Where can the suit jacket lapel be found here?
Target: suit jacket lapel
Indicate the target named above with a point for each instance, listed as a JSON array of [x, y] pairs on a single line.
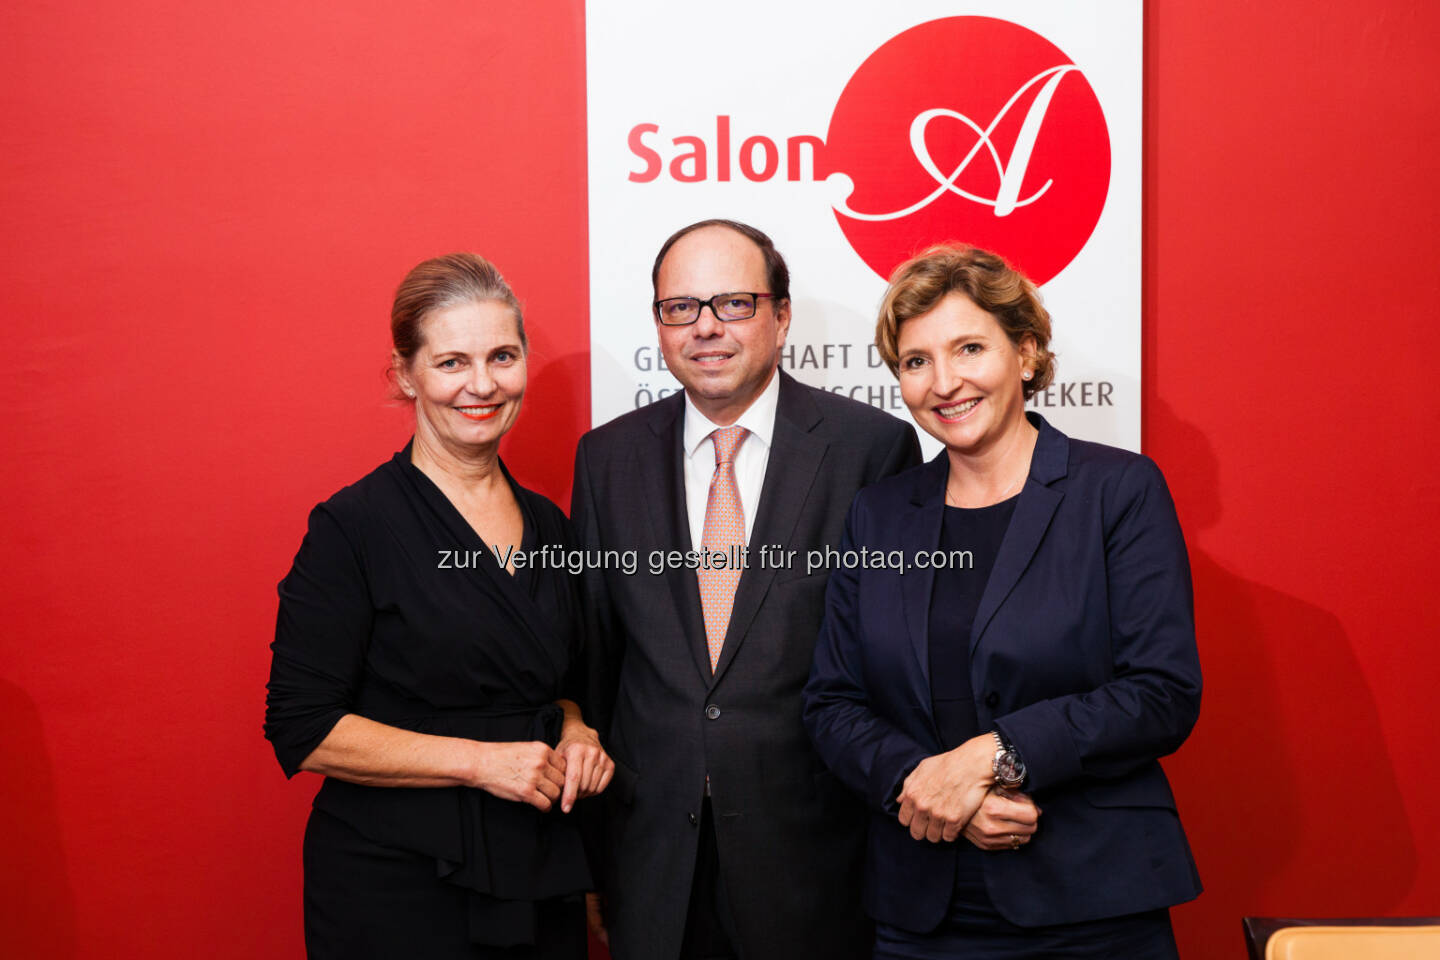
[[663, 485], [921, 531], [1033, 513], [790, 472]]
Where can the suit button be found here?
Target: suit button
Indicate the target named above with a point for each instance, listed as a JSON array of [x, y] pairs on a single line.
[[694, 820], [713, 712], [991, 699]]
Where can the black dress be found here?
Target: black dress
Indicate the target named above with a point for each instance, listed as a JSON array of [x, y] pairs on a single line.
[[974, 929], [395, 610]]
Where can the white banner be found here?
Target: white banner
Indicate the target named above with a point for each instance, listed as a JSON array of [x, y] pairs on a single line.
[[857, 140]]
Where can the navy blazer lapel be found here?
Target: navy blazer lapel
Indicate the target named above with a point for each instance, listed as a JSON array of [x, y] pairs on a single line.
[[920, 531], [663, 485], [1033, 513], [794, 463]]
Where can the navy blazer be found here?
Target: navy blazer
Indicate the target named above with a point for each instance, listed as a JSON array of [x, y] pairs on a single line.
[[1082, 654]]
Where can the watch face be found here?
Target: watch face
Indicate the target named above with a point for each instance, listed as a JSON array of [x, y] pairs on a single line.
[[1008, 768]]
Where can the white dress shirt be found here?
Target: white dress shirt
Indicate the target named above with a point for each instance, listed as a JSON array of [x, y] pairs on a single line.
[[750, 459]]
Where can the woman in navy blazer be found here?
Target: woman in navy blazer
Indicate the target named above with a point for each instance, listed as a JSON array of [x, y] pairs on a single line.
[[1008, 650]]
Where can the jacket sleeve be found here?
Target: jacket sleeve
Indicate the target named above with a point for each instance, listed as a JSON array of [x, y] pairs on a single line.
[[868, 753], [600, 650], [904, 453], [1152, 699], [598, 665], [322, 632]]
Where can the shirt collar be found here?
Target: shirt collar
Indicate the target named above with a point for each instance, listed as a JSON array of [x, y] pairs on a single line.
[[758, 418]]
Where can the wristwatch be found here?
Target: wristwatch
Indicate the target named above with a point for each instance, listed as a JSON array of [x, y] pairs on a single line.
[[1009, 768]]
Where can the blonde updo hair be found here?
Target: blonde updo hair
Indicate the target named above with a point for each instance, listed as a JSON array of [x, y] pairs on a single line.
[[919, 284], [445, 282]]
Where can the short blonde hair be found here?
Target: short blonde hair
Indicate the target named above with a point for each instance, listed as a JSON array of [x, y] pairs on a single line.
[[919, 284]]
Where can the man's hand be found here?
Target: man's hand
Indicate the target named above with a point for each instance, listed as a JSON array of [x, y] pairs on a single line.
[[595, 918]]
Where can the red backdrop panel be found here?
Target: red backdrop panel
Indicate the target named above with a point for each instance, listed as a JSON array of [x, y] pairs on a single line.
[[1291, 231], [207, 208]]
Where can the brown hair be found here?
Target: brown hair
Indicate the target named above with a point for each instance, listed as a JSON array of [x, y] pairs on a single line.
[[777, 275], [919, 284], [445, 282]]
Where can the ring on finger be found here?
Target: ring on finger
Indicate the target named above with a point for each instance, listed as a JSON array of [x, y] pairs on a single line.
[[1014, 842]]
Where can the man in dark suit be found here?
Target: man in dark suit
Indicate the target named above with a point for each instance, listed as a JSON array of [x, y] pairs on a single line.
[[724, 835]]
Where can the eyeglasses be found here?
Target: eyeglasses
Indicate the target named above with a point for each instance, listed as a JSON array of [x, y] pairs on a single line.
[[679, 311]]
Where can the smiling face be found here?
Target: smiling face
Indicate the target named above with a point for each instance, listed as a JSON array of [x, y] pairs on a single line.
[[961, 376], [723, 366], [468, 376]]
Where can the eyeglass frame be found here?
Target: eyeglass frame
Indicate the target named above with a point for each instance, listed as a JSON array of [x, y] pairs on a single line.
[[700, 305]]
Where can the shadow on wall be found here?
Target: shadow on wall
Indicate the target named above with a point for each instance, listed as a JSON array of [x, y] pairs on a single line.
[[1285, 788], [540, 450], [37, 904]]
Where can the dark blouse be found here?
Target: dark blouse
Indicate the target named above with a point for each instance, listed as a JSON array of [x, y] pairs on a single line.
[[396, 610], [953, 602]]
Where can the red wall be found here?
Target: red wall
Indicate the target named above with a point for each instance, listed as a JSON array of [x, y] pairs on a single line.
[[206, 210]]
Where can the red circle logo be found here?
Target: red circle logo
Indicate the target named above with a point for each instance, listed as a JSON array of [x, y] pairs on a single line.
[[969, 129]]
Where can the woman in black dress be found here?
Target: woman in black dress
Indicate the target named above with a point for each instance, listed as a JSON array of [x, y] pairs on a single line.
[[1001, 687], [420, 662]]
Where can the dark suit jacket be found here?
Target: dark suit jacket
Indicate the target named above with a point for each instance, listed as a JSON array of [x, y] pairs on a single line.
[[1082, 654], [790, 838]]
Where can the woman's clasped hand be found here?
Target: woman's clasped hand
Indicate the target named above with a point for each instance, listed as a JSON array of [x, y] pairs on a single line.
[[953, 794]]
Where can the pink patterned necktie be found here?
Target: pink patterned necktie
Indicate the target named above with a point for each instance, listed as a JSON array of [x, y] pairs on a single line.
[[724, 530]]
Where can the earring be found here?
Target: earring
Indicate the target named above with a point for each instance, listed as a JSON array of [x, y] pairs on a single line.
[[1026, 375]]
